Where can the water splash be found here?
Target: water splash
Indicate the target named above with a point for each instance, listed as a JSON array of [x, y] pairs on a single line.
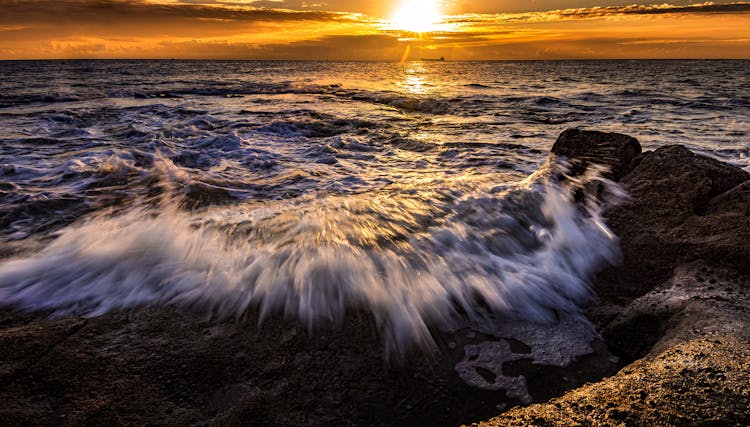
[[418, 257]]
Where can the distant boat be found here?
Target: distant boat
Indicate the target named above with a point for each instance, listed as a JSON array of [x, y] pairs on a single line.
[[442, 58]]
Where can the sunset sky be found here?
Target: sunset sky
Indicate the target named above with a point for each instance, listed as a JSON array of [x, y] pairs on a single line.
[[372, 30]]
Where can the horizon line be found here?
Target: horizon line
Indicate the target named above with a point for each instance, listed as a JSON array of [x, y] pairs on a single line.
[[380, 61]]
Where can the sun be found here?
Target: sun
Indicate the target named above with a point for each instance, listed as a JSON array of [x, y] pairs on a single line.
[[418, 16]]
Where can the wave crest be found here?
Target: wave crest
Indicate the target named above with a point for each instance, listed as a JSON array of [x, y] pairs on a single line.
[[420, 258]]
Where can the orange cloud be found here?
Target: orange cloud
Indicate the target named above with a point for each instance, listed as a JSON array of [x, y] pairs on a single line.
[[229, 30]]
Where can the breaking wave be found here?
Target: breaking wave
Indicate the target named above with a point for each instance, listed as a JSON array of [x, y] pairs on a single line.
[[419, 257]]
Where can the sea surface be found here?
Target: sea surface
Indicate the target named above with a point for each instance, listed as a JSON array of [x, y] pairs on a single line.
[[420, 192]]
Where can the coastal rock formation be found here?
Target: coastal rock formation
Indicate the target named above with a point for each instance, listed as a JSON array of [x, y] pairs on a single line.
[[695, 332], [679, 305], [612, 150], [156, 366], [676, 312], [527, 360], [683, 207]]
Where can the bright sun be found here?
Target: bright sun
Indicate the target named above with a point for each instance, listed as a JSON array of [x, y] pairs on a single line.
[[419, 16]]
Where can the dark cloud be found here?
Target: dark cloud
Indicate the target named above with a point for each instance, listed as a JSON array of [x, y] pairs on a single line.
[[385, 7], [374, 47], [637, 9], [602, 11], [96, 11], [518, 6], [370, 7], [49, 19]]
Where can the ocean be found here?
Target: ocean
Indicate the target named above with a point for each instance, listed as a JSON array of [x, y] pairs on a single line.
[[420, 191]]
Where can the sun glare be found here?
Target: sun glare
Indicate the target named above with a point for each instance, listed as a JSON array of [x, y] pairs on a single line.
[[418, 16]]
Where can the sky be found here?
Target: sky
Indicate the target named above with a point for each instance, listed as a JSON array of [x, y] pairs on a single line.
[[387, 30]]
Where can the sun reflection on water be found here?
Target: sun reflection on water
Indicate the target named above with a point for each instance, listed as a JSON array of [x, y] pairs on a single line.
[[415, 81]]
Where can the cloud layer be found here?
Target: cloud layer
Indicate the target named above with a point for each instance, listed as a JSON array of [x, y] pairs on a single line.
[[302, 30]]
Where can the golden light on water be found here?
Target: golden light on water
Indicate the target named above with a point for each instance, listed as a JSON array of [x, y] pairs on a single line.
[[414, 81], [417, 16]]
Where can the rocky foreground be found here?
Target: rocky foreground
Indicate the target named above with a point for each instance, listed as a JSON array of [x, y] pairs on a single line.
[[679, 305], [667, 342]]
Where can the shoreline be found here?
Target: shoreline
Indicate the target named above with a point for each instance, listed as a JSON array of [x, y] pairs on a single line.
[[679, 305], [684, 222]]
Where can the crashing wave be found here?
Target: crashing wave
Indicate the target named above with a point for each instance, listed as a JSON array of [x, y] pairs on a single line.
[[419, 258]]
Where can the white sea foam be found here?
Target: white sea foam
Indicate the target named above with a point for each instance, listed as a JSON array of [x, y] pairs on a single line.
[[417, 259], [324, 187]]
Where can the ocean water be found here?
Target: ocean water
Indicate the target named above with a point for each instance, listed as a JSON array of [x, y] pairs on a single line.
[[421, 192]]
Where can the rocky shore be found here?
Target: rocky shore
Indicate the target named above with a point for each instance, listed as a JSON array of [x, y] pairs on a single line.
[[667, 342], [678, 306]]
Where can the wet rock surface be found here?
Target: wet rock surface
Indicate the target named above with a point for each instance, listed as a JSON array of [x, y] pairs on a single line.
[[678, 306], [693, 334], [157, 366], [683, 207], [583, 148]]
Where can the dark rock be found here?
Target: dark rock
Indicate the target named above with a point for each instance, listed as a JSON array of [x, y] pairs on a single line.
[[673, 162], [680, 302], [696, 373], [735, 201], [682, 207], [157, 366], [585, 147]]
